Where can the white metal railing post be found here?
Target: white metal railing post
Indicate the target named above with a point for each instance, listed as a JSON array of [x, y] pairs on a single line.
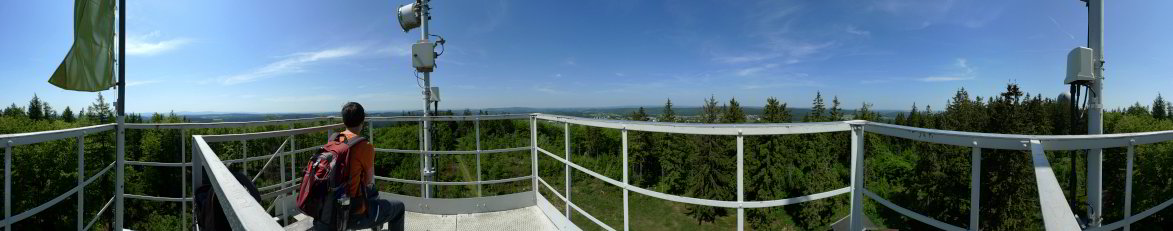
[[626, 215], [975, 180], [292, 158], [281, 166], [857, 187], [740, 180], [370, 133], [197, 171], [81, 178], [244, 155], [477, 130], [7, 184], [1128, 185], [183, 178], [533, 142], [120, 167], [423, 154], [566, 138]]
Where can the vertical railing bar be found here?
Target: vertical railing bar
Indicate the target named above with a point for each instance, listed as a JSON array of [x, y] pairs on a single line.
[[7, 184], [975, 179], [183, 178], [81, 178], [292, 158], [626, 214], [1128, 185], [740, 180], [566, 166], [857, 168], [244, 155], [284, 212], [533, 142], [477, 131], [197, 171], [423, 169]]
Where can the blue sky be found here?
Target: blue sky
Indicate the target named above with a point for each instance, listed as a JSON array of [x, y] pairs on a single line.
[[311, 56]]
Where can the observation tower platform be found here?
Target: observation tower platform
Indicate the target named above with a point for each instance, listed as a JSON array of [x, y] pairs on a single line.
[[527, 209]]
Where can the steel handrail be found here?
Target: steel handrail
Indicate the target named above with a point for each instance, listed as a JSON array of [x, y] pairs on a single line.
[[957, 138]]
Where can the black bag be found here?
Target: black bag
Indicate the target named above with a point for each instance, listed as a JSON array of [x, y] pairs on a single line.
[[208, 213]]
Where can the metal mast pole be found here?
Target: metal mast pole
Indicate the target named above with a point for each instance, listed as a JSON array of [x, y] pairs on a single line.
[[1095, 40], [118, 181], [428, 170]]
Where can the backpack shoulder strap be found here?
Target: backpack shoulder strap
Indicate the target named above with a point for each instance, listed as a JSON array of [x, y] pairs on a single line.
[[354, 141], [332, 137]]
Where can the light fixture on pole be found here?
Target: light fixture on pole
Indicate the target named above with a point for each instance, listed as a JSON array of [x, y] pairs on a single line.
[[423, 59]]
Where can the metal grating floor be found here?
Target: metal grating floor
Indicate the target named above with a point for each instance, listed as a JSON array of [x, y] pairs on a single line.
[[528, 218]]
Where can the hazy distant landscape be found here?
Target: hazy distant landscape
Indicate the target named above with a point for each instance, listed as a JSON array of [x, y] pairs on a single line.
[[590, 112]]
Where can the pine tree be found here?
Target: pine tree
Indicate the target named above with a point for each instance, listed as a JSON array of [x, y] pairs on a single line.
[[67, 115], [865, 113], [775, 111], [709, 111], [817, 110], [668, 115], [734, 113], [836, 112], [639, 115], [14, 111], [1160, 108], [100, 110], [35, 111]]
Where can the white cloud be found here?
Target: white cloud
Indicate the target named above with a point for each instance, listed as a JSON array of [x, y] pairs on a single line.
[[620, 74], [756, 69], [291, 64], [302, 98], [961, 71], [856, 31], [144, 44]]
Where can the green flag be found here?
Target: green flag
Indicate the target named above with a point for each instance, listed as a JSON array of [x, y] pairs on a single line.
[[89, 65]]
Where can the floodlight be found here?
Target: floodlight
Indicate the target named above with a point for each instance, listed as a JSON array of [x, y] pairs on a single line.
[[409, 16]]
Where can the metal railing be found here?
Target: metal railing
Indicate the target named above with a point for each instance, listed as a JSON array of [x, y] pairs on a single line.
[[248, 214], [12, 140], [1057, 214]]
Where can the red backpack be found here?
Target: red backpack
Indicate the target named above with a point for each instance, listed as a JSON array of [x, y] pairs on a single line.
[[323, 186]]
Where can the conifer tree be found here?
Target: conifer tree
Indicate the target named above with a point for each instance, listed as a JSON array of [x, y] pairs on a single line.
[[668, 115], [817, 110], [1160, 108], [775, 111], [836, 112], [67, 115], [35, 111], [734, 113]]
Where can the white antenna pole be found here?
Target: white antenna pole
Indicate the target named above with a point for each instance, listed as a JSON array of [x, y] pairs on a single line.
[[428, 169], [1095, 39]]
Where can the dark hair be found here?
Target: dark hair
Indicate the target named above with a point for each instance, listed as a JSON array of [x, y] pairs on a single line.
[[353, 114]]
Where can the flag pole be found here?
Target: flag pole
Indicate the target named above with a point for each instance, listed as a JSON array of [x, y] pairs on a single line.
[[119, 208]]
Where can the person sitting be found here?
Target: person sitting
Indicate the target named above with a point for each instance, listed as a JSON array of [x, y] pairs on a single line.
[[367, 210]]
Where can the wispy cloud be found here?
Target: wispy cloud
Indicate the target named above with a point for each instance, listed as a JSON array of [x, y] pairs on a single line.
[[755, 69], [149, 44], [961, 71], [290, 64], [302, 98], [856, 31]]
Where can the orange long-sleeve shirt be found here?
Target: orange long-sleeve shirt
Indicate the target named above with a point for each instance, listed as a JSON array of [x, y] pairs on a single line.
[[362, 171]]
